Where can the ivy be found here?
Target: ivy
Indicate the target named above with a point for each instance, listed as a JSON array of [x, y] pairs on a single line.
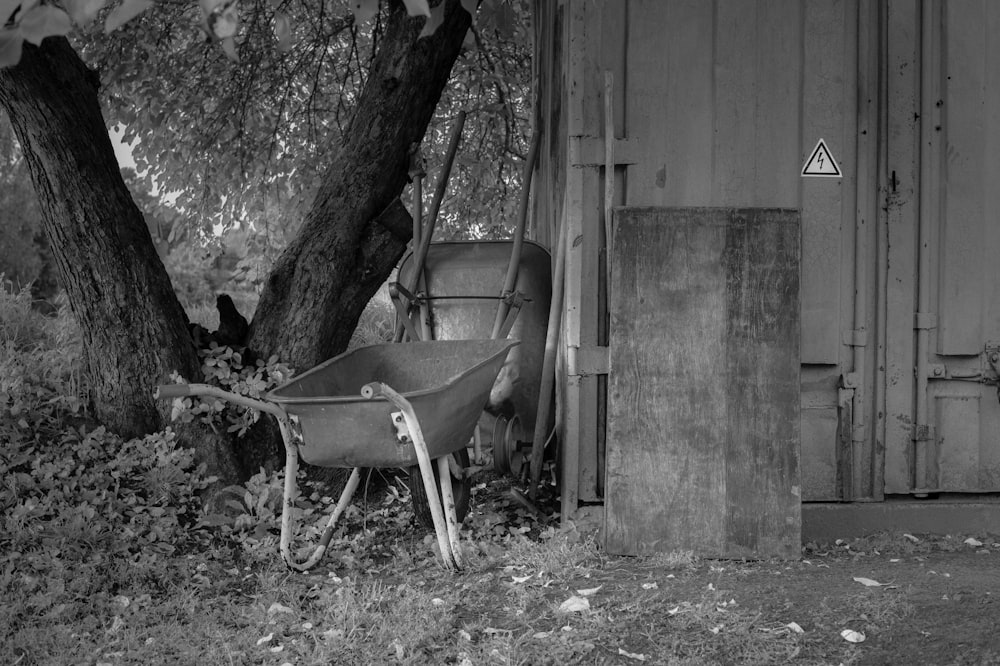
[[225, 367]]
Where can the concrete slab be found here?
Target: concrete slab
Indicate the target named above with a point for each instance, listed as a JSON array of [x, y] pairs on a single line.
[[829, 521]]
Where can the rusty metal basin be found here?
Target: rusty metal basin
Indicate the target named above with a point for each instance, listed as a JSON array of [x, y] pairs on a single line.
[[447, 381], [463, 279]]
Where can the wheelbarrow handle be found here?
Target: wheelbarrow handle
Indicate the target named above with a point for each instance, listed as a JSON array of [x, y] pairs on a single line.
[[168, 391], [183, 390]]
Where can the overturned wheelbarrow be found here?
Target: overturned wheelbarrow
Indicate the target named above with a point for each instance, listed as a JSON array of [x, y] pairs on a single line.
[[384, 405]]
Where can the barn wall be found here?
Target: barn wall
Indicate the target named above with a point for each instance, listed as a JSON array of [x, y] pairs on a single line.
[[719, 104]]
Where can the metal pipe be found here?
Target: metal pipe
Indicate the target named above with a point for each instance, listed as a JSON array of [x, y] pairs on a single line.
[[865, 211], [882, 259], [922, 316], [549, 366], [510, 279], [427, 233]]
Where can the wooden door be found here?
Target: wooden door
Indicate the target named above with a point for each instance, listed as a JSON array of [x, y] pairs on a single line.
[[943, 300]]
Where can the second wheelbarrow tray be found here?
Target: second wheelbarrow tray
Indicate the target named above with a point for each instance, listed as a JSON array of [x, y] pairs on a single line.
[[384, 405]]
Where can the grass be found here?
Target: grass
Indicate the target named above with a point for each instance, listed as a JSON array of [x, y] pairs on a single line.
[[105, 559]]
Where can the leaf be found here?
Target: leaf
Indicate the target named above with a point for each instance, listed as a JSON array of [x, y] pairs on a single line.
[[574, 604], [83, 11], [229, 48], [364, 10], [868, 582], [418, 7], [975, 543], [124, 13], [632, 655], [276, 608], [10, 47], [44, 21], [852, 636], [589, 592], [282, 31], [794, 626]]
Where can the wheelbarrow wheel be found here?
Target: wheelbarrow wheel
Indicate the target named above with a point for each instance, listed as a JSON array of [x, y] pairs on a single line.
[[461, 488]]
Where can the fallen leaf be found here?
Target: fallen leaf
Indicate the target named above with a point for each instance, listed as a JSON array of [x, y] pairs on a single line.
[[632, 655], [975, 543], [574, 604], [437, 601], [650, 586], [674, 610], [265, 639], [867, 582], [912, 538], [521, 579], [794, 626], [541, 634], [852, 636], [716, 630], [464, 635], [589, 591], [276, 608]]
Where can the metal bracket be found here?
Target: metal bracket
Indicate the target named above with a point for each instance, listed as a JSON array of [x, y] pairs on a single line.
[[402, 432], [583, 361], [924, 320], [856, 338], [850, 380]]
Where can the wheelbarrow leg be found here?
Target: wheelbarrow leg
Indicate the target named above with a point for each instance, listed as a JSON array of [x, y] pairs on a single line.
[[450, 515], [287, 507], [424, 462]]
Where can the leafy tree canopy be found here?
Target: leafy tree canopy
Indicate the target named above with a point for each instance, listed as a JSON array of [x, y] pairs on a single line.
[[229, 105]]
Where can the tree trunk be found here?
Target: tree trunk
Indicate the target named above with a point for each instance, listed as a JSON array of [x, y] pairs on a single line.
[[134, 329], [357, 229]]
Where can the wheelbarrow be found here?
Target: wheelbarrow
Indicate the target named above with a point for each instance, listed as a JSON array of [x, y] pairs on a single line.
[[458, 301], [384, 405]]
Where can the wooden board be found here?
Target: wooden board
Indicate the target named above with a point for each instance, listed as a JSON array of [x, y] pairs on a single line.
[[703, 404]]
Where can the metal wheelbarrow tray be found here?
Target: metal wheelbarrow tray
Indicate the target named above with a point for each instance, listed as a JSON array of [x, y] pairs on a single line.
[[447, 381]]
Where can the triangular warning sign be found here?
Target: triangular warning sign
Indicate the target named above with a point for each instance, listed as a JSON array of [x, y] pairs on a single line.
[[821, 163]]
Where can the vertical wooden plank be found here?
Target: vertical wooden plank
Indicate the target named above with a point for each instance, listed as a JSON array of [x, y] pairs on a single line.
[[708, 424], [960, 304], [763, 495], [670, 74], [666, 467], [573, 218]]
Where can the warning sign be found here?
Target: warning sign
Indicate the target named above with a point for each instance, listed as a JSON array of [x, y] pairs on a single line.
[[821, 163]]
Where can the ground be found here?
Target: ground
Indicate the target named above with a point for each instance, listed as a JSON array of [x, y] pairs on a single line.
[[532, 592]]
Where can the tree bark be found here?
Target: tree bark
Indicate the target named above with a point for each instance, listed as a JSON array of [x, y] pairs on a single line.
[[134, 329], [357, 229]]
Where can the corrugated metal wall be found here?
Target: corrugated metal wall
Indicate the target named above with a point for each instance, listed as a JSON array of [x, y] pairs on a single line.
[[720, 104]]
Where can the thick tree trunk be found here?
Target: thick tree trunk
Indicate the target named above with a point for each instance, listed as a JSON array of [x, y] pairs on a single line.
[[134, 329], [357, 228]]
